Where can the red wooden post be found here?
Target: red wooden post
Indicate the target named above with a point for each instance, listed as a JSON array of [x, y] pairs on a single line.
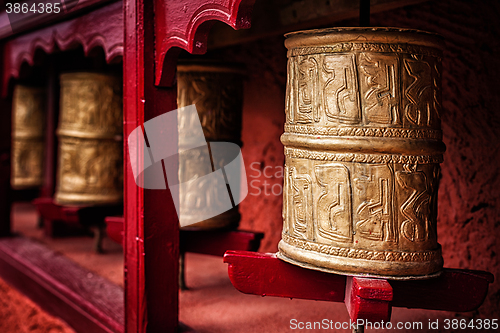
[[151, 225], [133, 116]]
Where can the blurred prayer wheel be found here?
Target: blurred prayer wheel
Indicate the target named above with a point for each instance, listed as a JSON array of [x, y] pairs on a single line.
[[28, 121], [90, 140], [217, 91], [363, 144]]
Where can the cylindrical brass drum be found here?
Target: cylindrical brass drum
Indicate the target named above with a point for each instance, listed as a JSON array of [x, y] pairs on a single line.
[[90, 169], [28, 120], [217, 91], [363, 145]]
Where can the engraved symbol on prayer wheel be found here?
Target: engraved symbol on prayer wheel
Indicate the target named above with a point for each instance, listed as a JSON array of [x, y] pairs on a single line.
[[90, 169], [28, 120], [217, 92], [363, 144]]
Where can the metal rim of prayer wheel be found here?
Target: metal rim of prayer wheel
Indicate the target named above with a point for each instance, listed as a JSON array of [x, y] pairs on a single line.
[[216, 88], [90, 168], [28, 120], [363, 144]]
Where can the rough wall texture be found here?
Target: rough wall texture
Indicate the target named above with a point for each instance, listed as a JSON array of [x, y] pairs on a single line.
[[469, 208]]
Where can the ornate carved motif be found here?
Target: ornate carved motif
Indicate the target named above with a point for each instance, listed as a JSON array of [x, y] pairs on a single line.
[[188, 28], [362, 158], [90, 140], [356, 186], [217, 92], [364, 131], [391, 256], [28, 123]]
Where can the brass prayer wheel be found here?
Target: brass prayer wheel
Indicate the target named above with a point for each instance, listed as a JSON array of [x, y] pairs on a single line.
[[28, 120], [217, 91], [90, 169], [363, 144]]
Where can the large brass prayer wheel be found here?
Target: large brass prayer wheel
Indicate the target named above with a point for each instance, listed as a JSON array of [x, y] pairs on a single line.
[[28, 120], [90, 140], [217, 91], [363, 144]]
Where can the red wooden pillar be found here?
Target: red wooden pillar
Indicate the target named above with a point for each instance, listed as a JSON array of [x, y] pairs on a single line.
[[151, 226]]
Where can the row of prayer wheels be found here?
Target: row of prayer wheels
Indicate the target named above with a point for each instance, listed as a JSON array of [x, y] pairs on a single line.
[[362, 143]]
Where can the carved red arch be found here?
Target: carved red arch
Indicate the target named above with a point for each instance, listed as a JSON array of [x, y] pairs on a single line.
[[186, 24], [101, 28]]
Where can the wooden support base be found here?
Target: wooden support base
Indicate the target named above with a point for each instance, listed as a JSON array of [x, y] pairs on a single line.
[[59, 220], [212, 242], [366, 298]]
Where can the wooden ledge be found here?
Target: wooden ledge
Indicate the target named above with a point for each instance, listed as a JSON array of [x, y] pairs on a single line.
[[86, 301]]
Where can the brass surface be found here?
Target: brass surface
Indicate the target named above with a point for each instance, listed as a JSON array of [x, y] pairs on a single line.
[[28, 120], [217, 92], [90, 168], [363, 145]]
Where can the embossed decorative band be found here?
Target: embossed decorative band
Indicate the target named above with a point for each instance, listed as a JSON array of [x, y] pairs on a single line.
[[366, 47], [370, 145], [362, 158], [383, 132], [361, 253]]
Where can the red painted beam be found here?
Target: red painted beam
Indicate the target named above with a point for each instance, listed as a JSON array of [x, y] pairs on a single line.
[[265, 275]]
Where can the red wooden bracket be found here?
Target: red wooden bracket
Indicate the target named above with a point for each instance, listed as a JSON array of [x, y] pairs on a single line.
[[217, 242], [76, 215], [186, 24], [54, 212], [264, 274], [114, 228], [366, 298], [212, 242]]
